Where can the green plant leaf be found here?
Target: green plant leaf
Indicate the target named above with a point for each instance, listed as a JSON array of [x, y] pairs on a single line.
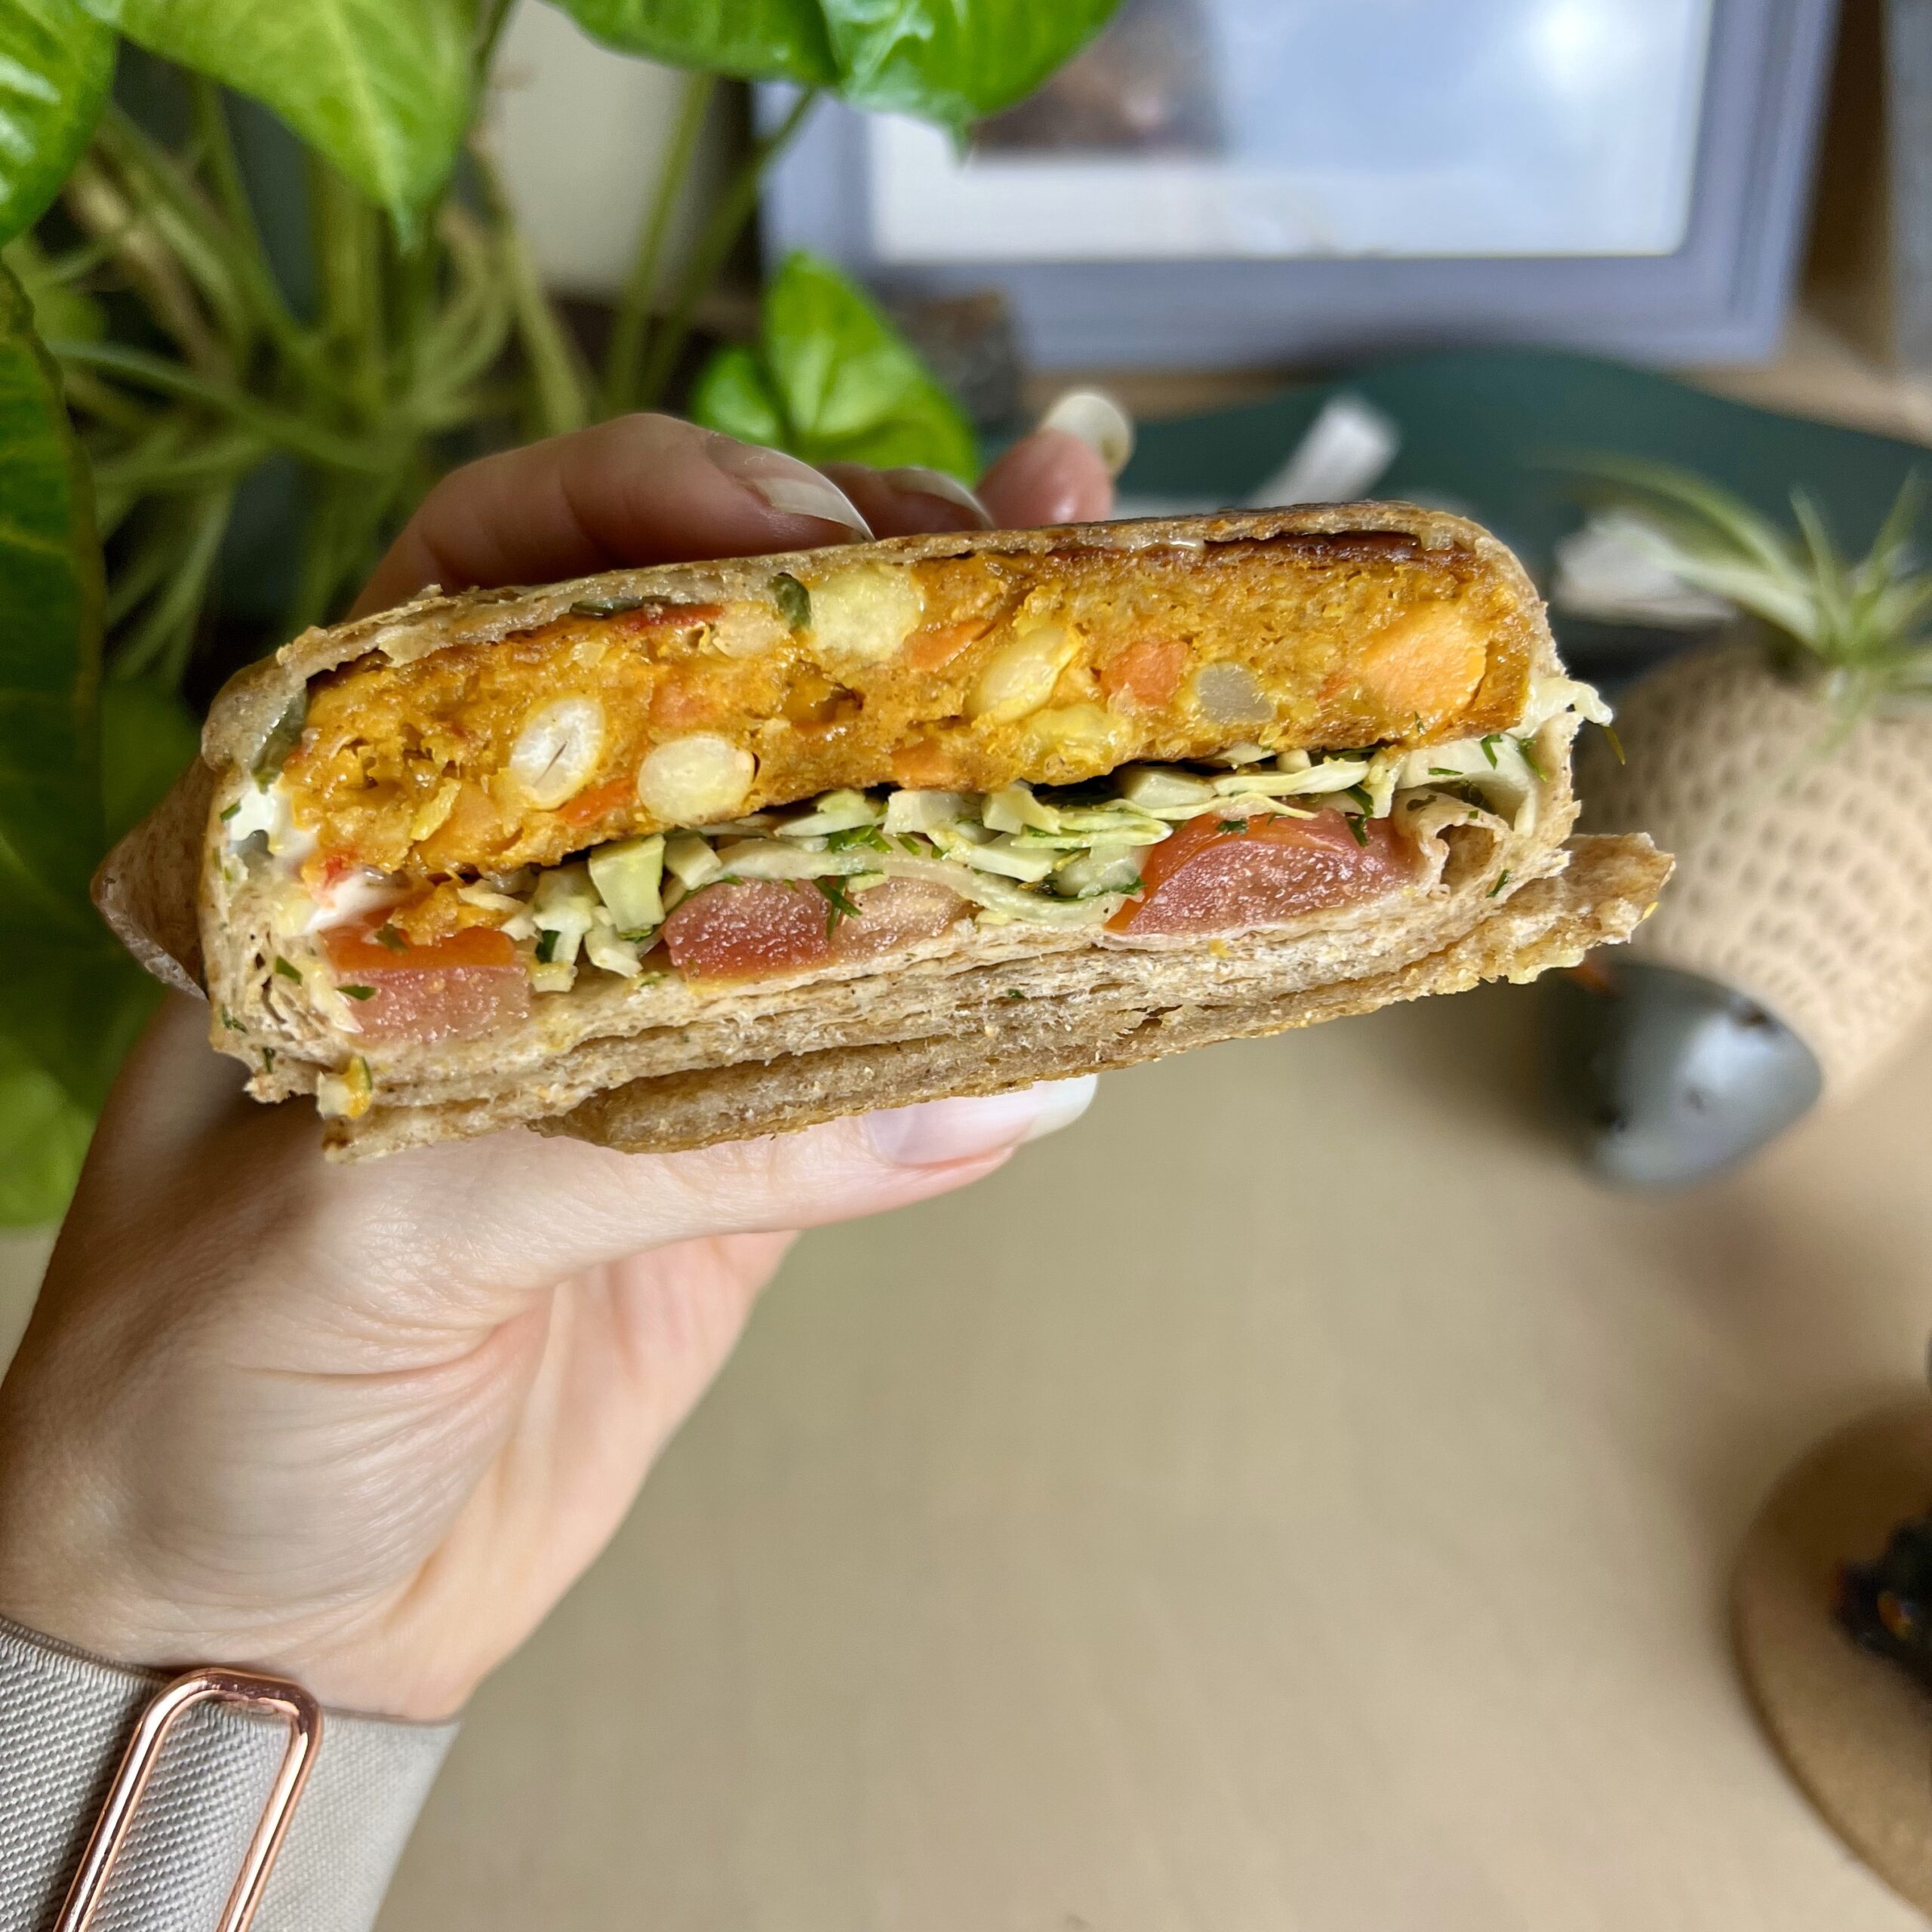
[[43, 1138], [382, 88], [147, 737], [946, 61], [763, 40], [74, 1008], [61, 312], [50, 821], [833, 381], [55, 66], [732, 394]]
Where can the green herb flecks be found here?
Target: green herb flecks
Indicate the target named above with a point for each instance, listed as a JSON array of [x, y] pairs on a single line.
[[357, 992], [1230, 825], [1443, 771], [794, 601], [869, 836], [387, 935], [1012, 992], [839, 904], [605, 606], [1616, 742], [228, 811], [546, 945], [228, 1020], [268, 1060], [1358, 825], [1489, 744], [1529, 758], [1502, 880], [287, 970]]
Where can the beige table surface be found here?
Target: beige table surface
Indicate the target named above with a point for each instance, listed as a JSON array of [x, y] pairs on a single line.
[[1294, 1498]]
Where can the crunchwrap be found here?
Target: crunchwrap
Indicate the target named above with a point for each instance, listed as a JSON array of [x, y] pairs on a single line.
[[690, 853]]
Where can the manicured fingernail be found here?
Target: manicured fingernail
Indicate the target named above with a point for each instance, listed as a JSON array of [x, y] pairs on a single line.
[[943, 1131], [914, 480], [1099, 421], [791, 487]]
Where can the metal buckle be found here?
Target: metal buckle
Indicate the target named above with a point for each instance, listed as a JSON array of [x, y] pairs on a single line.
[[273, 1695]]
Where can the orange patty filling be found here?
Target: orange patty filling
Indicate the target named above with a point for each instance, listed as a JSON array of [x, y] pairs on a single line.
[[962, 673]]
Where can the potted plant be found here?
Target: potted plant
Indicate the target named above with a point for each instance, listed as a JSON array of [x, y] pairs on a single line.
[[1787, 764]]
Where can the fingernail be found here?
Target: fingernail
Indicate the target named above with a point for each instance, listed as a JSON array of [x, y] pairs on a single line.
[[791, 487], [1099, 421], [943, 1131], [915, 480]]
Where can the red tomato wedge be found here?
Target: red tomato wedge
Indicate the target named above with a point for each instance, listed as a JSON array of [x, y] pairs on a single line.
[[1228, 873], [750, 927], [460, 988]]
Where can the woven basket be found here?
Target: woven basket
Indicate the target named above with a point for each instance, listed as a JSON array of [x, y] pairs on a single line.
[[1804, 876]]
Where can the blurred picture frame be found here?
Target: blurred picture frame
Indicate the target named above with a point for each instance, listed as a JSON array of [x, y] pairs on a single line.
[[1219, 183]]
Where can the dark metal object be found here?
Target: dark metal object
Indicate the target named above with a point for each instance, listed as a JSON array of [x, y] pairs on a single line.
[[1665, 1078]]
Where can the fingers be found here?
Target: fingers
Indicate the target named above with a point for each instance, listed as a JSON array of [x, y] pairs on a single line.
[[902, 502], [1052, 476], [637, 490], [505, 1215], [649, 489]]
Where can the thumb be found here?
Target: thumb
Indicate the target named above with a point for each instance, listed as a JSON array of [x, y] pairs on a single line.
[[515, 1212]]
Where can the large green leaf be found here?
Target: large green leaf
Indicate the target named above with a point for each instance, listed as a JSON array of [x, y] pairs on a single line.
[[51, 821], [947, 60], [55, 64], [766, 40], [832, 380], [43, 1137], [382, 88], [147, 737], [732, 394]]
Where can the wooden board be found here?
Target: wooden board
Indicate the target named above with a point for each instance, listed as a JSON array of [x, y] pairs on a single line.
[[1855, 1729]]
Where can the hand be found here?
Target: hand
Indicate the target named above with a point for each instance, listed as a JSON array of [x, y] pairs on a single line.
[[363, 1424]]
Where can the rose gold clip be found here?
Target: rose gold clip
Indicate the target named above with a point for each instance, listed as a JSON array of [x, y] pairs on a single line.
[[273, 1696]]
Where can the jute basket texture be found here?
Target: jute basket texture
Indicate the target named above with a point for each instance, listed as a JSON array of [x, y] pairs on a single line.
[[1803, 866]]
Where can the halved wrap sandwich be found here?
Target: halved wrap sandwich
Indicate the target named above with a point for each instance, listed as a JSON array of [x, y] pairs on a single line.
[[680, 854]]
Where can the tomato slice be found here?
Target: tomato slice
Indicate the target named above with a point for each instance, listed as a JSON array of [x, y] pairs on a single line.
[[460, 988], [1228, 874], [749, 928]]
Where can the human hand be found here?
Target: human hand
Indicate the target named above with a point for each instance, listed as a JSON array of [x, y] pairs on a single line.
[[363, 1425]]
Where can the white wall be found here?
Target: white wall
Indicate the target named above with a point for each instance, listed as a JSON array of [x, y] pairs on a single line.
[[579, 132]]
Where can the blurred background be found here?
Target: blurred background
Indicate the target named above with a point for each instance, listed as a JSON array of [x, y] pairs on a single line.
[[1334, 1525]]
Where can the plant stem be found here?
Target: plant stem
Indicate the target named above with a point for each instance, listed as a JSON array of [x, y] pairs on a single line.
[[170, 211], [492, 18], [289, 433], [167, 633], [624, 358], [727, 222], [559, 383], [349, 276], [103, 208], [248, 261]]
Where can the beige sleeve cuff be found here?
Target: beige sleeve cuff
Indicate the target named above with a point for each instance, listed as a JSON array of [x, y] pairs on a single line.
[[64, 1718]]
